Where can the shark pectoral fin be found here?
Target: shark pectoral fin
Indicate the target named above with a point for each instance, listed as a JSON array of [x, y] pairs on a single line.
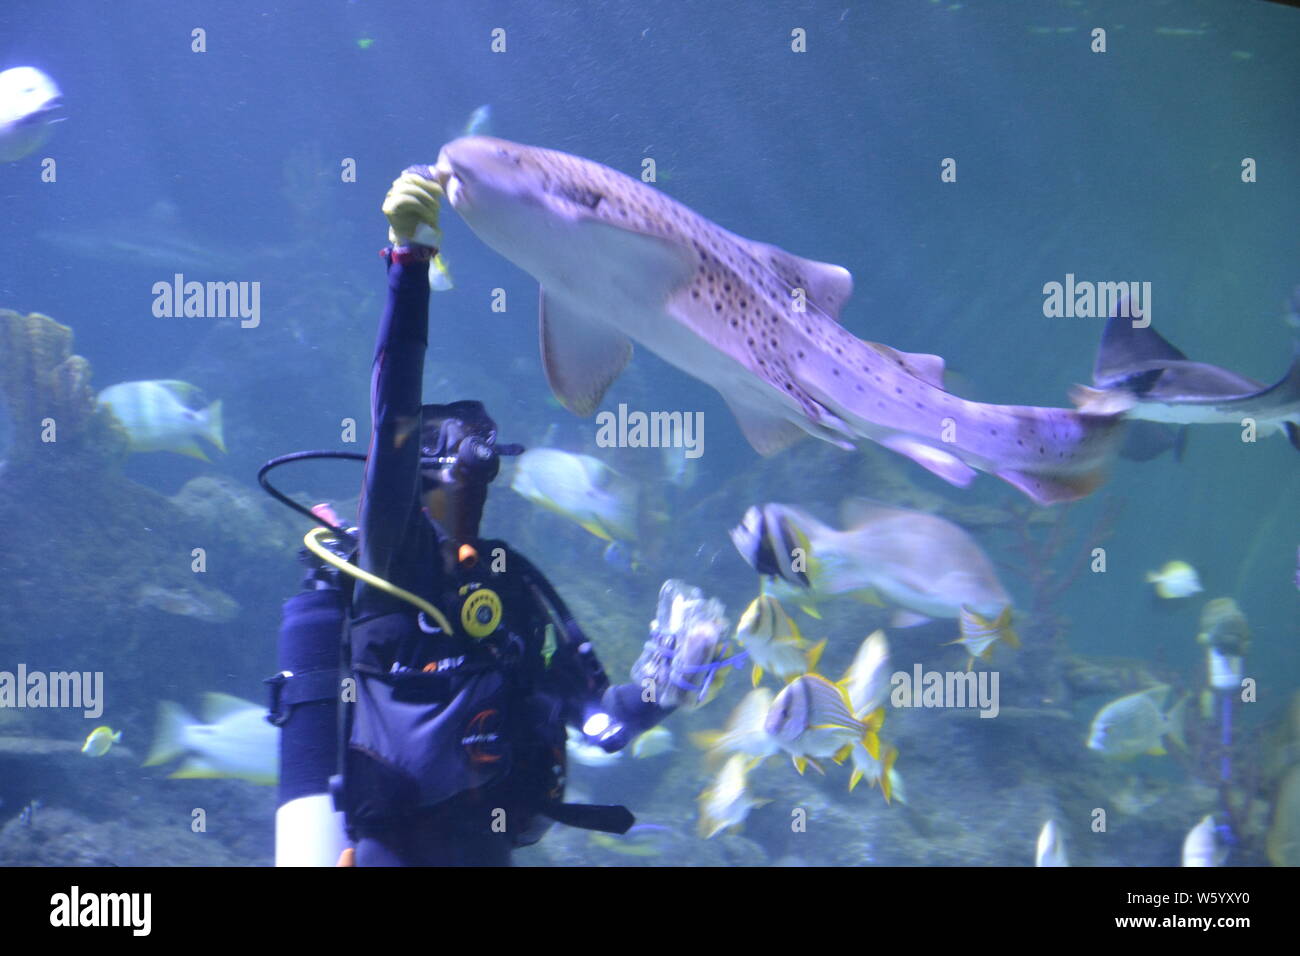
[[767, 433], [1292, 435], [1098, 401], [934, 460], [581, 357], [1051, 489]]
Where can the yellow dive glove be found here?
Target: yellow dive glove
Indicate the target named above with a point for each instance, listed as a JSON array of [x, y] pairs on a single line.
[[412, 206]]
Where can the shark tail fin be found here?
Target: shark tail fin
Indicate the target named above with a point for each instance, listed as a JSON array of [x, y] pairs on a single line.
[[1289, 387]]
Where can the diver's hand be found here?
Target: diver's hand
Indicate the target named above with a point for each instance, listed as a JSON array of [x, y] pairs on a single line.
[[412, 206], [685, 654]]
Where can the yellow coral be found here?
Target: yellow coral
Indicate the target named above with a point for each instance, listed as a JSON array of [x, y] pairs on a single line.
[[41, 379]]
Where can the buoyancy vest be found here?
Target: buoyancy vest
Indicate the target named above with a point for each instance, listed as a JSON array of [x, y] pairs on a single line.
[[439, 714]]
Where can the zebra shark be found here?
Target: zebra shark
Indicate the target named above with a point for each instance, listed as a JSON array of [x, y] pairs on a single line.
[[620, 262]]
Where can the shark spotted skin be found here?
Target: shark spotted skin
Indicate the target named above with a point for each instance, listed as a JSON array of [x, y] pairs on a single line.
[[618, 262]]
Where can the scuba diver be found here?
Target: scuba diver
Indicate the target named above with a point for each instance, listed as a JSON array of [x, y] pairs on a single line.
[[462, 666]]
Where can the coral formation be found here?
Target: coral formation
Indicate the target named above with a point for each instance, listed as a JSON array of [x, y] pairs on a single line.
[[40, 380]]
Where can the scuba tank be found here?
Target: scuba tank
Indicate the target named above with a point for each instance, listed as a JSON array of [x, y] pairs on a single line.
[[305, 695], [305, 705]]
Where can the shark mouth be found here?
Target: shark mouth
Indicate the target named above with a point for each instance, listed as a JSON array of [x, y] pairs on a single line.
[[452, 183]]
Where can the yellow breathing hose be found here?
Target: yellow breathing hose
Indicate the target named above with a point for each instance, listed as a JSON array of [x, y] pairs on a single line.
[[312, 541]]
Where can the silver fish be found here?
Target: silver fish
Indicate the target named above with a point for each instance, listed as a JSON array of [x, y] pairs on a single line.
[[924, 565], [813, 718], [1136, 724], [726, 804], [745, 732], [1050, 849], [236, 740], [1202, 846], [618, 261], [29, 105]]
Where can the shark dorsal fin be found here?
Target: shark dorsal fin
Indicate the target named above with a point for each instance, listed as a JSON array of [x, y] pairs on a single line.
[[928, 368], [828, 286], [1123, 348]]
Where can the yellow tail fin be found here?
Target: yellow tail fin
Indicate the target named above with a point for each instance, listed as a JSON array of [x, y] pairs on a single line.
[[815, 654]]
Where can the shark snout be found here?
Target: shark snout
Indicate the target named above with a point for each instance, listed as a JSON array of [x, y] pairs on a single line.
[[479, 166], [450, 176]]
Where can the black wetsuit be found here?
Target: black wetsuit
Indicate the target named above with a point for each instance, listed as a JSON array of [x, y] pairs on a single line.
[[457, 742]]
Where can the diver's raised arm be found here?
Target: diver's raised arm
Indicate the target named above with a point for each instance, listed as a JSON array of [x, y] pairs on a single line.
[[392, 466]]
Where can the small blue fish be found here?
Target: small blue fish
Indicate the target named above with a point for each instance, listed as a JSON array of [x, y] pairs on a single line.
[[619, 556]]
